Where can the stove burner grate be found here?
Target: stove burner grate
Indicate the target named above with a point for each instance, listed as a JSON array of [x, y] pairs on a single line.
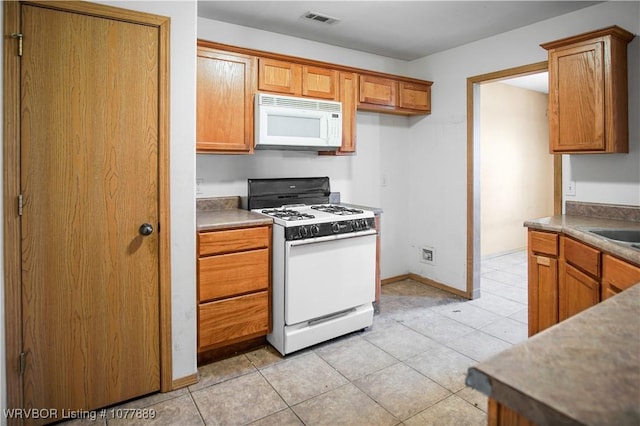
[[338, 210], [288, 214]]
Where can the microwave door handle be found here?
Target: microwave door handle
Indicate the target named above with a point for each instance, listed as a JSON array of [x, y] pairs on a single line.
[[324, 128]]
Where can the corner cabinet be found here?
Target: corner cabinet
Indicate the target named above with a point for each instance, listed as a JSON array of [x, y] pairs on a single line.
[[234, 286], [588, 109], [224, 101]]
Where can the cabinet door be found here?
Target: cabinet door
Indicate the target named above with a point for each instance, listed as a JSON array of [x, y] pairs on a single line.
[[577, 98], [224, 109], [577, 291], [543, 293], [231, 320], [349, 99], [415, 96], [319, 82], [617, 275], [279, 76], [378, 91]]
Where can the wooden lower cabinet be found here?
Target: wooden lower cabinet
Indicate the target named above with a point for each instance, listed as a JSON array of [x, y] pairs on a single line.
[[500, 415], [236, 318], [234, 286], [617, 275], [567, 276], [579, 277], [578, 291], [543, 280]]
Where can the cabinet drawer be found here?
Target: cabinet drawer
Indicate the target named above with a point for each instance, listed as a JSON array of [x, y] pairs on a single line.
[[543, 242], [582, 256], [231, 274], [618, 273], [231, 240], [232, 319]]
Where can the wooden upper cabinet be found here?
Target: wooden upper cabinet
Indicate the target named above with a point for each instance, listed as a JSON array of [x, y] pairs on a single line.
[[319, 82], [394, 96], [279, 76], [415, 96], [377, 91], [224, 101], [348, 95], [294, 79], [588, 92]]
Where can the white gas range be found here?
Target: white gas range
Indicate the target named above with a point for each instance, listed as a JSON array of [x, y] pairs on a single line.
[[323, 264]]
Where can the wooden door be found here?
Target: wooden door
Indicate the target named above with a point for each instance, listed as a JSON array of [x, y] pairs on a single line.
[[89, 180]]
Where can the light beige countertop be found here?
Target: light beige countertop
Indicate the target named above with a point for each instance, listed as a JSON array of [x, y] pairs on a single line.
[[577, 226], [582, 216], [582, 371], [224, 213]]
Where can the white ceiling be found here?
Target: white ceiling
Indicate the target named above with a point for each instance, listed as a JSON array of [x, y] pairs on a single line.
[[538, 82], [404, 30]]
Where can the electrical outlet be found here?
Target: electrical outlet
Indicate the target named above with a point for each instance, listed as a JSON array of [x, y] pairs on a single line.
[[571, 188], [427, 255], [199, 183]]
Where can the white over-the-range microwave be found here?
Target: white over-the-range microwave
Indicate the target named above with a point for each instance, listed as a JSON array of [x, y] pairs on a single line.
[[285, 122]]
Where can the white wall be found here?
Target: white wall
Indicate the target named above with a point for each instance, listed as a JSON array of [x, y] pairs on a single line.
[[382, 141], [516, 169], [438, 144]]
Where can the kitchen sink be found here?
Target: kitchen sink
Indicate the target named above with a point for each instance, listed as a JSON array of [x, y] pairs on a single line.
[[623, 235]]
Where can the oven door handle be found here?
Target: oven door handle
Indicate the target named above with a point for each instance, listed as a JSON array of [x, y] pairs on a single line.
[[331, 238]]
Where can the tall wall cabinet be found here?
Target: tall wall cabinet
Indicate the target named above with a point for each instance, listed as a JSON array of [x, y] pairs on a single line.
[[588, 92]]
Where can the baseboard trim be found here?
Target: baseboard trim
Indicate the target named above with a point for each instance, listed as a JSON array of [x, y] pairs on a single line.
[[427, 281], [394, 279], [183, 382]]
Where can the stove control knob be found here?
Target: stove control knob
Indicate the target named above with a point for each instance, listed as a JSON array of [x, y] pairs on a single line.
[[303, 232], [365, 225], [335, 227], [356, 225], [315, 230]]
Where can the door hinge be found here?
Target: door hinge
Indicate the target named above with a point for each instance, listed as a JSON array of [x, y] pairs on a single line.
[[23, 361], [20, 205], [18, 36]]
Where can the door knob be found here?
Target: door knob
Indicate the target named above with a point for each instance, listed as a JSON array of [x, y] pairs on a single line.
[[145, 229]]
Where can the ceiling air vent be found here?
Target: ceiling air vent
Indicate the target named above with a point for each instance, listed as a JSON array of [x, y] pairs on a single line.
[[318, 17]]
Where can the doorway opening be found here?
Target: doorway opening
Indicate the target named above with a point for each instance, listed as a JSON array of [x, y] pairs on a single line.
[[510, 184]]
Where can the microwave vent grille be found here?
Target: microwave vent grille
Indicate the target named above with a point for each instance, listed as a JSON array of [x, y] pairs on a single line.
[[299, 103]]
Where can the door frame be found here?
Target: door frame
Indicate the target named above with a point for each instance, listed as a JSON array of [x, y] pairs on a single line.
[[473, 172], [11, 184]]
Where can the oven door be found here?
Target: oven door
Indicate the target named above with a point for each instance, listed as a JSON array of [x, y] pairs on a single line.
[[329, 275]]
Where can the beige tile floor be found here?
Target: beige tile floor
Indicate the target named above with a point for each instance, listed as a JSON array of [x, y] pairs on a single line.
[[407, 369]]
